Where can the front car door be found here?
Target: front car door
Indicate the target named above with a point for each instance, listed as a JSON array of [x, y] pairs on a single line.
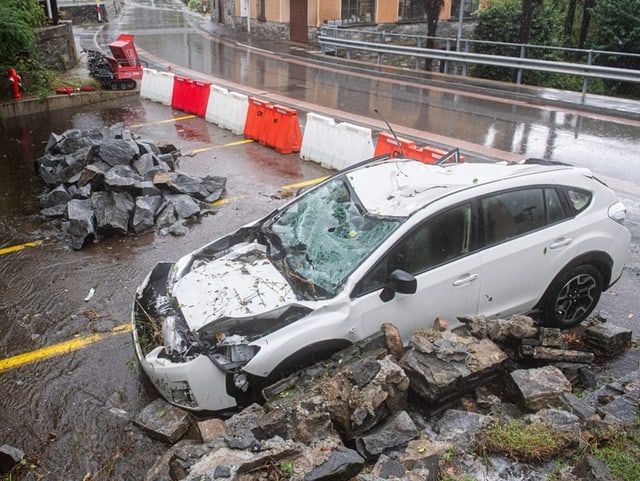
[[441, 254]]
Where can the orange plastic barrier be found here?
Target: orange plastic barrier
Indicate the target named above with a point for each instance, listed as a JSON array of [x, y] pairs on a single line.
[[274, 126], [266, 125], [285, 135], [255, 122], [387, 143], [427, 154]]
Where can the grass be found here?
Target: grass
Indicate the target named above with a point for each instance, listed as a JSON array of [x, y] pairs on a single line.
[[617, 448], [620, 452], [529, 443]]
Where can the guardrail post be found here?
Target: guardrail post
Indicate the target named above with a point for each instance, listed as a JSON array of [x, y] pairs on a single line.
[[585, 80], [464, 65], [350, 37], [522, 55], [381, 41], [418, 58], [446, 62]]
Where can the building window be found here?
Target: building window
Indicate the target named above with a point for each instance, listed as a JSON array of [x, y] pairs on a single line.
[[470, 6], [411, 10], [358, 11]]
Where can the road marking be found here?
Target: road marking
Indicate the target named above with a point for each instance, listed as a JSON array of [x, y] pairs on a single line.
[[167, 121], [19, 247], [61, 348], [223, 146], [304, 184]]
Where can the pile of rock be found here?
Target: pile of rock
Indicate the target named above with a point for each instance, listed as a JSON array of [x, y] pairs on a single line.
[[382, 411], [107, 182]]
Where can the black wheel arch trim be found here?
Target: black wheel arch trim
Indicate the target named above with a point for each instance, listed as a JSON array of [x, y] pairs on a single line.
[[598, 259]]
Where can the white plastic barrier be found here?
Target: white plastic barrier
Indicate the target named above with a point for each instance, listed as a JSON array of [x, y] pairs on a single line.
[[355, 145], [157, 86], [227, 109], [335, 146], [314, 140]]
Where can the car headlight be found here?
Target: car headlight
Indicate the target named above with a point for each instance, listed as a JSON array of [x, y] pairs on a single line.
[[233, 351]]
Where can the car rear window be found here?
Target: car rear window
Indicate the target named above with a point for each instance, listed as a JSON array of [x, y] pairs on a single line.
[[579, 199]]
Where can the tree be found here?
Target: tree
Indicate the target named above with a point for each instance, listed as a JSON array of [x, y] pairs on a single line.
[[528, 9], [501, 21], [432, 9], [19, 21], [586, 20], [616, 28], [569, 20]]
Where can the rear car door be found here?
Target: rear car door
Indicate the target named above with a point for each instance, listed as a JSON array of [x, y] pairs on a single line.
[[528, 236]]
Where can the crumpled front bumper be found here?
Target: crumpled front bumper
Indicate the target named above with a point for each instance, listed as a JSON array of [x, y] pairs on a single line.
[[196, 384]]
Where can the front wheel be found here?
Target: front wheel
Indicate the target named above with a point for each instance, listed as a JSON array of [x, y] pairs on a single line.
[[572, 296]]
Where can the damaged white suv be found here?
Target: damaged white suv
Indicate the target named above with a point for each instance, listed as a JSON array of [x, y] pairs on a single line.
[[388, 240]]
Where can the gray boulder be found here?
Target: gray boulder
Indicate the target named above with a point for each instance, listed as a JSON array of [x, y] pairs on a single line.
[[144, 213], [79, 226], [113, 210], [116, 152], [396, 431]]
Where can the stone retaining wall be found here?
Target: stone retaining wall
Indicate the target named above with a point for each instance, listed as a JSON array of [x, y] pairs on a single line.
[[57, 47], [86, 12]]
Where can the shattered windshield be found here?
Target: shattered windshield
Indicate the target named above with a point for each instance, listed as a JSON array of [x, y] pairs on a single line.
[[327, 234]]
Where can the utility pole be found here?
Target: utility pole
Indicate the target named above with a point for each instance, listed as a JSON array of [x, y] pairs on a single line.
[[460, 18]]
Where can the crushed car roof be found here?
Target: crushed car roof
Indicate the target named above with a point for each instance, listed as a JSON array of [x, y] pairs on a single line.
[[399, 187]]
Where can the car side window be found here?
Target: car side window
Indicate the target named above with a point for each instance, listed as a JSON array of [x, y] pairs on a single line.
[[440, 239], [511, 214], [555, 212]]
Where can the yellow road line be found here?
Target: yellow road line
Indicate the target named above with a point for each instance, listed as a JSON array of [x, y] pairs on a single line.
[[223, 146], [233, 144], [19, 247], [167, 121], [61, 348], [304, 184]]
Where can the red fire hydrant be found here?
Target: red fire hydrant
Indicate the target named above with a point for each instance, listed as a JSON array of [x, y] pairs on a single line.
[[14, 80]]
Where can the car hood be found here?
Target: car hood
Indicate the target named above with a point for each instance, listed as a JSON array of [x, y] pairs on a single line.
[[241, 284]]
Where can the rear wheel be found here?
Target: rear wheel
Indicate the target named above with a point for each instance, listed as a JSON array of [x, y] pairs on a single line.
[[572, 296]]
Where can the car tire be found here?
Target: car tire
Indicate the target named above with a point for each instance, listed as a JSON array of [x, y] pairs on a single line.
[[572, 296]]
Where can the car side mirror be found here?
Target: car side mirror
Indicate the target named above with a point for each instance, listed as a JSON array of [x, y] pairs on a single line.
[[398, 281]]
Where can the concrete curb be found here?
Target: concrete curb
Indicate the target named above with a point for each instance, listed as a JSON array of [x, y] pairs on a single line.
[[32, 106]]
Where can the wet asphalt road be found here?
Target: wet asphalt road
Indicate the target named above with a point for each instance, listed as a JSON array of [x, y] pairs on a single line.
[[71, 413]]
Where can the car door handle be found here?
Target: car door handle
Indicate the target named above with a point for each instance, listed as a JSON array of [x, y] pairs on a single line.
[[466, 279], [560, 243]]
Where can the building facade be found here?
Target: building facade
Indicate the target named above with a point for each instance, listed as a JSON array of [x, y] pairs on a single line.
[[299, 20]]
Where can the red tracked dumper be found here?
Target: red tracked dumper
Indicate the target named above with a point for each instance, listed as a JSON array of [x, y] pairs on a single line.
[[119, 71]]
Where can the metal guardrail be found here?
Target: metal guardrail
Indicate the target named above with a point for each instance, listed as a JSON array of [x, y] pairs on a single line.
[[329, 41]]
